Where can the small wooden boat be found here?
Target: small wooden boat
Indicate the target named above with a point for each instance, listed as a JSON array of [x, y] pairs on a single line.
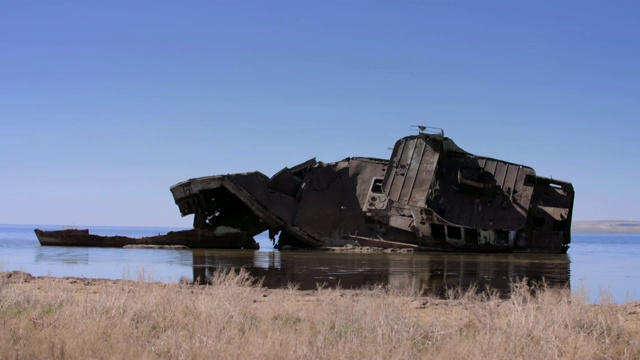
[[193, 238]]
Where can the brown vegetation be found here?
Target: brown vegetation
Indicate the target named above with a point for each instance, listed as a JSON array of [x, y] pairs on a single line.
[[53, 318]]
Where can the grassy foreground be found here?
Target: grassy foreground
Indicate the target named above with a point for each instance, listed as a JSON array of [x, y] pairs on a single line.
[[71, 318]]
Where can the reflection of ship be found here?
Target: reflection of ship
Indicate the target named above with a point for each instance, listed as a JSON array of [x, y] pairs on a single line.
[[431, 272], [430, 195], [61, 256]]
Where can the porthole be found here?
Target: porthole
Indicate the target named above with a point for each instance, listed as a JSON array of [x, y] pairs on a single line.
[[537, 221]]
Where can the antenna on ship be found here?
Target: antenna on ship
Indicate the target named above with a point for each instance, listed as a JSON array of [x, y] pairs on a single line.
[[431, 131], [421, 128]]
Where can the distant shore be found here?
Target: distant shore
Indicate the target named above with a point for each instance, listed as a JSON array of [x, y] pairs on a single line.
[[608, 226]]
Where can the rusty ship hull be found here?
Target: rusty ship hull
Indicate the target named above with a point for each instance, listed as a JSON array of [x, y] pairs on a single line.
[[194, 238], [430, 195]]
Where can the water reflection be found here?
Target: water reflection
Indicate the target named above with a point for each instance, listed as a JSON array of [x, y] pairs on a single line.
[[599, 263], [420, 271], [62, 255], [111, 263]]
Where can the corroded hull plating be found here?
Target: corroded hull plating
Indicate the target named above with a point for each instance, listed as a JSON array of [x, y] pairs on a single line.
[[430, 195], [194, 238]]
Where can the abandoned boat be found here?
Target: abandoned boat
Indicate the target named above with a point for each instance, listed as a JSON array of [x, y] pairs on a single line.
[[430, 195], [195, 238]]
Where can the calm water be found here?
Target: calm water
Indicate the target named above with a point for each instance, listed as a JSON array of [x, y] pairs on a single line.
[[595, 262]]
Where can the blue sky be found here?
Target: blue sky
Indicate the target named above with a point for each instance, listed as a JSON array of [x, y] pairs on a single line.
[[105, 104]]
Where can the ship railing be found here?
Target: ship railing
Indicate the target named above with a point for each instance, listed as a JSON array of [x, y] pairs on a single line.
[[428, 130]]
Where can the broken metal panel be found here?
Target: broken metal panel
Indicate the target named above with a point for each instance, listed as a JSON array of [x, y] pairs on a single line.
[[226, 200], [548, 224], [401, 222], [321, 203], [283, 207], [381, 243], [304, 167], [333, 197], [368, 174], [415, 187], [411, 170], [430, 194], [284, 182], [481, 192], [184, 192]]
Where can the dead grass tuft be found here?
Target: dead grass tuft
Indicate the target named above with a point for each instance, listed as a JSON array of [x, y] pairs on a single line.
[[234, 317]]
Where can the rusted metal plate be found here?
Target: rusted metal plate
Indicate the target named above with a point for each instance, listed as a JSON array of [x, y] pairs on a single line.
[[430, 194]]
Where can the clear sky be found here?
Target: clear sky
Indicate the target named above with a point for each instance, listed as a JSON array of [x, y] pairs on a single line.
[[106, 104]]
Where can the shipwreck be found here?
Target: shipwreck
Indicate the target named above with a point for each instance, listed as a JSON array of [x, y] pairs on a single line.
[[219, 238], [430, 195]]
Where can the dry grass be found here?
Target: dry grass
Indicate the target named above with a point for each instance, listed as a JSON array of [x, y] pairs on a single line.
[[234, 318]]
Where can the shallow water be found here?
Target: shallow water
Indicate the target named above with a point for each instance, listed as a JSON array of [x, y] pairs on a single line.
[[596, 262]]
